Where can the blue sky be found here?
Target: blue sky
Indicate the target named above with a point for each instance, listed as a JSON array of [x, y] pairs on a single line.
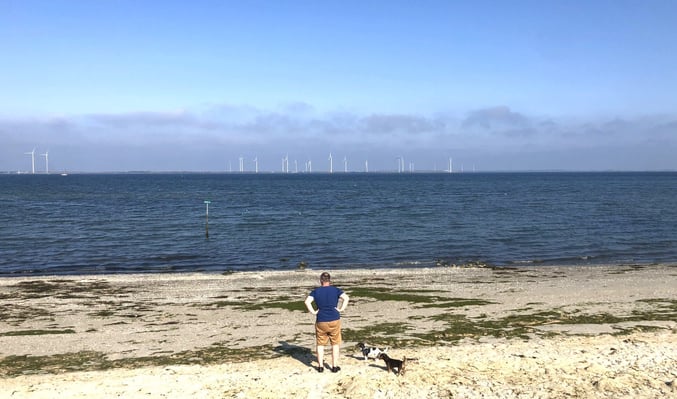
[[497, 85]]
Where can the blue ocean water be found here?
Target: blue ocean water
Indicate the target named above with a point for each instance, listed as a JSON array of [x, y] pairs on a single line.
[[123, 223]]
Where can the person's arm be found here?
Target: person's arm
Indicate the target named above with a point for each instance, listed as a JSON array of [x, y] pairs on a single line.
[[309, 304], [344, 303]]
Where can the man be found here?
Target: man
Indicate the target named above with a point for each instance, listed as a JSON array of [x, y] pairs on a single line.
[[328, 321]]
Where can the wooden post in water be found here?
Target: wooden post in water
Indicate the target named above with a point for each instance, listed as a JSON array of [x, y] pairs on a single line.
[[207, 219]]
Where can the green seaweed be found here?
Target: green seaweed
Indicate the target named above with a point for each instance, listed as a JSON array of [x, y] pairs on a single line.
[[36, 332], [387, 294], [458, 303], [16, 314], [12, 366], [415, 297], [282, 302], [67, 289], [385, 333]]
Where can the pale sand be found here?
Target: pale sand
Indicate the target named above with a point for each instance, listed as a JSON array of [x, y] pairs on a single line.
[[166, 321]]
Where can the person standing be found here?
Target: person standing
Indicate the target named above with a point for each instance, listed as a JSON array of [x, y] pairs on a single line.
[[328, 320]]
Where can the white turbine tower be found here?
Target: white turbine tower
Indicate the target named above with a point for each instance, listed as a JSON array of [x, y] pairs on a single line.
[[32, 154], [46, 155], [345, 164], [241, 164], [285, 164], [366, 166], [331, 164], [451, 165], [256, 164]]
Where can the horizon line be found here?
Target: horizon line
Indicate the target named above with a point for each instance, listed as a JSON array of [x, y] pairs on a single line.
[[357, 172]]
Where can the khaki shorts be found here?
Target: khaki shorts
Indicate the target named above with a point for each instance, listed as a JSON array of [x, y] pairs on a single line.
[[328, 331]]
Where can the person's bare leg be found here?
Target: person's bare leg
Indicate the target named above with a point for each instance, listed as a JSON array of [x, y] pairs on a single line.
[[335, 355], [320, 355]]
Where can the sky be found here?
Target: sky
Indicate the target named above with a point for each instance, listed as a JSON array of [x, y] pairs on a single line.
[[196, 85]]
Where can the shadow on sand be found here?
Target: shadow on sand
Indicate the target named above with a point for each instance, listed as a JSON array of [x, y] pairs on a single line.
[[300, 353]]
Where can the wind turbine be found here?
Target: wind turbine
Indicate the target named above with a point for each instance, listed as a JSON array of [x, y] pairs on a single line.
[[451, 165], [331, 164], [366, 166], [256, 164], [32, 154], [400, 164], [285, 164], [241, 164], [345, 164], [46, 155]]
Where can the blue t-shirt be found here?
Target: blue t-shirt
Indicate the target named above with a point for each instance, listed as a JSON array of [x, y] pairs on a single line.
[[327, 299]]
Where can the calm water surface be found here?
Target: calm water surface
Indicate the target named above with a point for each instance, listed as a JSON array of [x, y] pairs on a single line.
[[121, 223]]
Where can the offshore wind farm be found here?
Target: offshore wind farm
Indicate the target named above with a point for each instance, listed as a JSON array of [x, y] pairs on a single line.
[[397, 167]]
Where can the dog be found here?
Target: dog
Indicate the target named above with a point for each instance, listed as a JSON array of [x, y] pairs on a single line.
[[370, 351], [394, 364]]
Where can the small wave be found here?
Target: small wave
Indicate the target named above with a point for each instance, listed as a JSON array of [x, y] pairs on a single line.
[[524, 262], [409, 263]]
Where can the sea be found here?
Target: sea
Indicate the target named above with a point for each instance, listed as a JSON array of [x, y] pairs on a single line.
[[210, 222]]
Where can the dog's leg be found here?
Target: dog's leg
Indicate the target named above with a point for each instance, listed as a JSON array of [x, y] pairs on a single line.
[[404, 364], [387, 361]]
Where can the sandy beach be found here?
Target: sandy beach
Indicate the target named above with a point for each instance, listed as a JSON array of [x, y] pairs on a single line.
[[468, 332]]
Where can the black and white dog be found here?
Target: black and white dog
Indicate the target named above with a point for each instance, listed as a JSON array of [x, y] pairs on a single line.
[[370, 351]]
